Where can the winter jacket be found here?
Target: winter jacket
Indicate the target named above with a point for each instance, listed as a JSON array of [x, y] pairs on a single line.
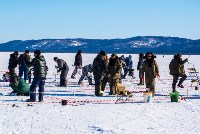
[[115, 69], [140, 63], [150, 71], [87, 69], [78, 60], [62, 65], [24, 60], [129, 63], [39, 66], [176, 66], [13, 61], [21, 88], [99, 65]]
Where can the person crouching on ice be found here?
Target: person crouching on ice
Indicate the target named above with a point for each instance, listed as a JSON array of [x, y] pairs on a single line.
[[86, 72], [63, 67], [151, 70]]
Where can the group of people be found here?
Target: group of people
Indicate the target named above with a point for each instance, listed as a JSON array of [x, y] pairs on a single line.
[[110, 70], [105, 70], [38, 63]]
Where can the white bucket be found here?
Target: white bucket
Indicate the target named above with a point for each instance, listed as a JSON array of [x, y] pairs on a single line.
[[147, 97]]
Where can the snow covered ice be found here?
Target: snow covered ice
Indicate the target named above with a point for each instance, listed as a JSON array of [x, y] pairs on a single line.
[[86, 113]]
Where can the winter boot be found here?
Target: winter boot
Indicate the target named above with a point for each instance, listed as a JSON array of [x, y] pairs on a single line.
[[97, 90], [181, 86], [141, 82], [33, 92], [73, 77], [40, 97], [64, 83], [112, 91], [30, 100], [174, 87], [90, 81]]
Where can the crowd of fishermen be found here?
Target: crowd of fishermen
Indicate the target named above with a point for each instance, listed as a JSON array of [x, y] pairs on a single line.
[[104, 69]]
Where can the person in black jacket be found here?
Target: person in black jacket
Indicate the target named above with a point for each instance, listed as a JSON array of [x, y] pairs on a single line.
[[24, 59], [77, 63], [13, 62], [139, 68], [40, 72], [99, 68], [63, 67]]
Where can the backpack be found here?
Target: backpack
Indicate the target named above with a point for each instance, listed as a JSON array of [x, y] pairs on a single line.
[[174, 67]]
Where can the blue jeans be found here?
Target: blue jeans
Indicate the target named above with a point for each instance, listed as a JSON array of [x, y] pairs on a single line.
[[23, 69], [37, 81]]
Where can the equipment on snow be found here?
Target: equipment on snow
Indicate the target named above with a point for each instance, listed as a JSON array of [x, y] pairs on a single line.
[[174, 96]]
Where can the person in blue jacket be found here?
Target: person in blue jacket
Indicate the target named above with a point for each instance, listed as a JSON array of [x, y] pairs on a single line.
[[129, 67], [24, 59]]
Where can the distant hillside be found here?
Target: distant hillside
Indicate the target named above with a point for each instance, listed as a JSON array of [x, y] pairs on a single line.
[[156, 44]]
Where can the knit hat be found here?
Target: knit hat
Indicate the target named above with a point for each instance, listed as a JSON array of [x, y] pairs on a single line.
[[179, 55], [79, 51], [55, 58], [27, 51], [141, 55], [102, 53], [16, 53], [37, 52]]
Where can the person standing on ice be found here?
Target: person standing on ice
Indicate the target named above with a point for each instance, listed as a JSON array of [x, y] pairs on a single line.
[[114, 68], [176, 68], [106, 75], [86, 72], [77, 63], [63, 67], [139, 68], [99, 67], [122, 59], [13, 62], [151, 71], [24, 59], [129, 65], [40, 72]]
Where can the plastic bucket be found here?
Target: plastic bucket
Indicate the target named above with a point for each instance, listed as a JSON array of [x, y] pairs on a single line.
[[174, 96], [147, 97]]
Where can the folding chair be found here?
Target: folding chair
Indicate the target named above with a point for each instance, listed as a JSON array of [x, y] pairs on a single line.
[[122, 94]]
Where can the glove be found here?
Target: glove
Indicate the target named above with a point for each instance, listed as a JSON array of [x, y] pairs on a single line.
[[158, 75], [58, 71]]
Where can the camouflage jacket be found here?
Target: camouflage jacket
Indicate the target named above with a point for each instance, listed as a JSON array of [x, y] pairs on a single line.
[[39, 66], [115, 71]]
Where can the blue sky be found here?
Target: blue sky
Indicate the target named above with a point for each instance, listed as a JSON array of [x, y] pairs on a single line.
[[98, 19]]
